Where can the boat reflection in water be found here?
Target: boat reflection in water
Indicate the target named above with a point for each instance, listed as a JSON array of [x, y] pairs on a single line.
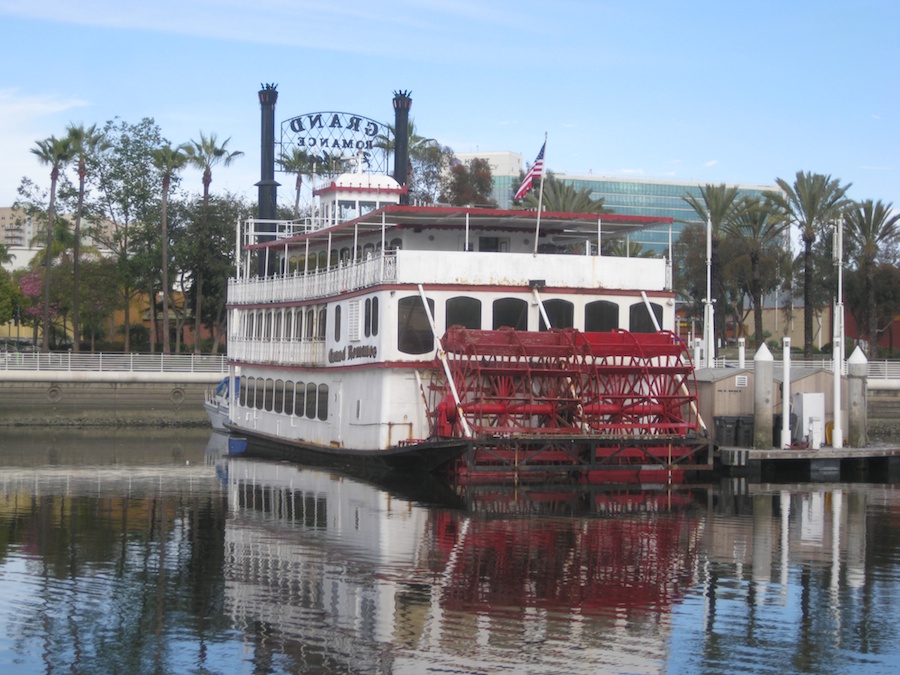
[[369, 578]]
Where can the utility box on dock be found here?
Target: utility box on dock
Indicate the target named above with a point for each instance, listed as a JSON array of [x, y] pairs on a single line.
[[809, 409]]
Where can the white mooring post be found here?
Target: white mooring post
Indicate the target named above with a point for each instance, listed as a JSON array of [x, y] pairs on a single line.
[[786, 396], [763, 400]]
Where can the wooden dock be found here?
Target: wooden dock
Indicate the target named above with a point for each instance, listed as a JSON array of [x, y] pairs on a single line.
[[879, 462]]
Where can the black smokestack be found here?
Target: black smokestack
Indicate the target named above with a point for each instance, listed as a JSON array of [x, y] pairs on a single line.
[[402, 104], [268, 188]]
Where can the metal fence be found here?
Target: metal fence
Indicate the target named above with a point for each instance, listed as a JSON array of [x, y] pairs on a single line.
[[878, 370], [114, 362]]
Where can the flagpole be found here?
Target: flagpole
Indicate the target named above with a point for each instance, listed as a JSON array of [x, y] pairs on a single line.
[[537, 227]]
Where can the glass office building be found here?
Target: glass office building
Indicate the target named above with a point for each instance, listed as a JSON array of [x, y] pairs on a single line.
[[628, 196]]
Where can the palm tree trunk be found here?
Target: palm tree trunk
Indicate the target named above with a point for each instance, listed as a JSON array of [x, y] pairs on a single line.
[[807, 296], [165, 269], [48, 259], [76, 305], [757, 302], [871, 312]]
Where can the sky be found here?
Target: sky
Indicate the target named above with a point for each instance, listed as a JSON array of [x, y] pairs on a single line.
[[705, 91]]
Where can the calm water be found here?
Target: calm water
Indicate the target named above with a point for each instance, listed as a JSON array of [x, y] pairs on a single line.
[[153, 553]]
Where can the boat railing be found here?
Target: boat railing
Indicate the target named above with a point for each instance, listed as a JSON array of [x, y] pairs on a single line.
[[116, 362], [300, 285], [298, 352]]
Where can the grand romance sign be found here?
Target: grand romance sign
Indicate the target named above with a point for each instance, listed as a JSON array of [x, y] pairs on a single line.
[[332, 135]]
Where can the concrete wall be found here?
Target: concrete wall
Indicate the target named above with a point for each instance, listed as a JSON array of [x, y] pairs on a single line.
[[102, 403]]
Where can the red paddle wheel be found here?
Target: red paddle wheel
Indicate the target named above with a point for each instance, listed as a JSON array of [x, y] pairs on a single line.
[[567, 399]]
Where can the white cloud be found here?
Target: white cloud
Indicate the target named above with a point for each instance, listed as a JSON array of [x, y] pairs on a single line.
[[24, 119], [711, 162]]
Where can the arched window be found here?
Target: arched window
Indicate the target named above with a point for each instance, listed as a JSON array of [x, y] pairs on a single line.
[[414, 334], [269, 396], [277, 330], [249, 333], [242, 395], [601, 316], [323, 402], [639, 320], [560, 312], [370, 322], [311, 398], [511, 312], [464, 311], [320, 328], [299, 399], [288, 324], [337, 323], [278, 399]]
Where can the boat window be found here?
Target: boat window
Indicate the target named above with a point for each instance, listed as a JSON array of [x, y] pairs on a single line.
[[249, 333], [396, 243], [371, 318], [493, 244], [414, 334], [465, 312], [320, 329], [277, 334], [345, 255], [259, 325], [601, 316], [310, 324], [269, 395], [560, 312], [366, 207], [337, 323], [322, 260], [333, 258], [268, 334], [299, 399], [260, 393], [368, 251], [511, 312], [311, 397], [298, 325], [639, 320], [323, 402], [278, 399], [288, 324], [242, 394]]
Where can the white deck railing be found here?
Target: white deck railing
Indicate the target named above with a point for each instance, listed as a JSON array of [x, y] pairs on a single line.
[[321, 284], [304, 352], [114, 362]]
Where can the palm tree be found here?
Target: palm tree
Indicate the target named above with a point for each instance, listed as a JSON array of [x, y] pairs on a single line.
[[86, 143], [205, 154], [716, 206], [872, 228], [758, 230], [300, 163], [813, 201], [54, 152], [562, 197], [168, 161]]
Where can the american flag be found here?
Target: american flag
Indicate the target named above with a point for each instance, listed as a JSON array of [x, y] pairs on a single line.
[[534, 172]]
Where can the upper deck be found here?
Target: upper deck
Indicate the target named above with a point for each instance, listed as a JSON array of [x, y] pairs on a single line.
[[464, 246]]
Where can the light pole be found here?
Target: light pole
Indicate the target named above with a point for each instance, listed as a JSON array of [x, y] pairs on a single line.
[[708, 311], [837, 432]]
